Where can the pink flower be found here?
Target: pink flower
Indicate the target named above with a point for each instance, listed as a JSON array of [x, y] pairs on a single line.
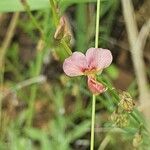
[[90, 64]]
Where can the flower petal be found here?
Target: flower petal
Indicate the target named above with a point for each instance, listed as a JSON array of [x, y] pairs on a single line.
[[95, 87], [75, 64], [98, 58]]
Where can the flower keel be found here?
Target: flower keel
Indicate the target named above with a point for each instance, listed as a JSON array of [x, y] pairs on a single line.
[[95, 87]]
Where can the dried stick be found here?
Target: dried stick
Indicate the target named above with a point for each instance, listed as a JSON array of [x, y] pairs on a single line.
[[8, 37], [137, 43], [0, 18]]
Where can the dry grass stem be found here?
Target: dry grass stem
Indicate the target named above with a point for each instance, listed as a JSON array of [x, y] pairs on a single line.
[[8, 37], [137, 42]]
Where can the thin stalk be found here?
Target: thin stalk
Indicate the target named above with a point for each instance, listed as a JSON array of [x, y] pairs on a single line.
[[94, 97], [97, 24], [54, 11], [34, 88], [93, 121], [64, 44], [3, 50], [35, 23]]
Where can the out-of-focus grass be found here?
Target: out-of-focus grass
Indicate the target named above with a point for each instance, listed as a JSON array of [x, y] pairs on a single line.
[[65, 121]]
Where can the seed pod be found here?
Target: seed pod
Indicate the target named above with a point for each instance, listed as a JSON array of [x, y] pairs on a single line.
[[59, 34], [119, 119], [63, 30], [126, 101]]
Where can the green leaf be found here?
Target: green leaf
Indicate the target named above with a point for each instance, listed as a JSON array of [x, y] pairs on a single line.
[[15, 5]]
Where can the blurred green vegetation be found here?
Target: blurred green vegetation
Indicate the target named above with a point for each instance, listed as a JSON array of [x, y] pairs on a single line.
[[56, 114]]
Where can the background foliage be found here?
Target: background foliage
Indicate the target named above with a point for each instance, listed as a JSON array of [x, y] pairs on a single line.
[[54, 112]]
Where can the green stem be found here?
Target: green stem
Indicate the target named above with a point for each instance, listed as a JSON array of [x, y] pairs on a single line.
[[35, 23], [93, 121], [54, 11], [67, 48], [38, 63], [34, 88], [94, 97], [97, 23]]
